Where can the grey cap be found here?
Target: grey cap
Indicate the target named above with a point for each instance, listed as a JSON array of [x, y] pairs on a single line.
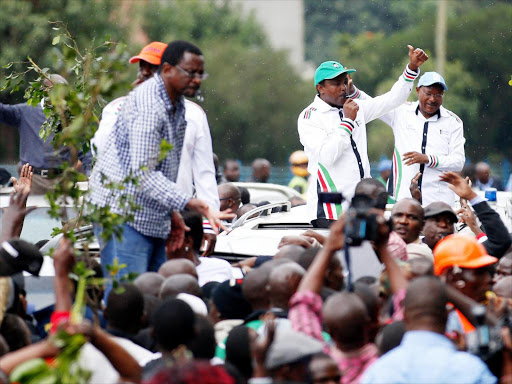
[[434, 209], [290, 346]]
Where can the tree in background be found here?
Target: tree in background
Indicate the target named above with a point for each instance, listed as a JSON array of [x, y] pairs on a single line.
[[253, 95], [25, 33]]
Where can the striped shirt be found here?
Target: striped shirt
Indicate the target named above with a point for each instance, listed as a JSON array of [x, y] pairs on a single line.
[[305, 314], [146, 119]]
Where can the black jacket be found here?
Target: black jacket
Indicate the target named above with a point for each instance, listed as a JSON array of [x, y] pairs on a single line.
[[498, 239]]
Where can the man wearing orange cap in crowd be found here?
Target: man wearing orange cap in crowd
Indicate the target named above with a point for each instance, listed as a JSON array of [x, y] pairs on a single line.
[[462, 262], [196, 165], [149, 60]]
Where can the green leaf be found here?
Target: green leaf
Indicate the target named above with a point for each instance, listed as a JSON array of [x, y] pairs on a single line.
[[28, 370], [56, 40], [8, 65], [165, 148]]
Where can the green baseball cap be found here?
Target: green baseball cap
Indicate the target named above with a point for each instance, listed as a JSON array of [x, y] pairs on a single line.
[[330, 70]]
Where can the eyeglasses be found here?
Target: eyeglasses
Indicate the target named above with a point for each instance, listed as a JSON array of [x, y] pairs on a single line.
[[193, 75], [436, 96]]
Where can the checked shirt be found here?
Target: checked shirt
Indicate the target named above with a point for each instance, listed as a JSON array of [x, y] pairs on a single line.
[[132, 149]]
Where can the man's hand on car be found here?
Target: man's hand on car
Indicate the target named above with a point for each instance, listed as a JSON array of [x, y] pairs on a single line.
[[214, 217]]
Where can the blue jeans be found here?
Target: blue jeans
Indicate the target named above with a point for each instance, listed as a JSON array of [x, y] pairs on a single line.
[[140, 253]]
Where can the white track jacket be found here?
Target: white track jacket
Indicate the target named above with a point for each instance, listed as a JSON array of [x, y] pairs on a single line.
[[441, 138], [333, 164]]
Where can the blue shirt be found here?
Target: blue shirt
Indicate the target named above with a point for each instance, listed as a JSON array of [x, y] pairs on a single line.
[[33, 150], [132, 150], [427, 357]]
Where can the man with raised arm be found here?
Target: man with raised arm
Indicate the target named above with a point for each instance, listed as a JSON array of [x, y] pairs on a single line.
[[332, 130], [429, 139]]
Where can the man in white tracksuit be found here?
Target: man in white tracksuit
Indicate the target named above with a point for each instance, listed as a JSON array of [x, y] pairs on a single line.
[[332, 130], [429, 139]]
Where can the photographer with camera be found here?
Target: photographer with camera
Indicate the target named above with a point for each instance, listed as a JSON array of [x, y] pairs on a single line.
[[345, 315]]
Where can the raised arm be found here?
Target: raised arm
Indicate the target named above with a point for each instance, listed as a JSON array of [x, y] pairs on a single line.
[[122, 361], [380, 105], [14, 215], [498, 238], [10, 114]]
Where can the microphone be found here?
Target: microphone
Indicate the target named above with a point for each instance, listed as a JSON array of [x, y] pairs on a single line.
[[199, 96]]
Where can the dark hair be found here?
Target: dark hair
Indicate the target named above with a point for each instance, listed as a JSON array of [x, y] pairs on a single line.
[[203, 344], [15, 331], [390, 336], [125, 309], [225, 164], [238, 350], [175, 51], [194, 221], [245, 195], [173, 324]]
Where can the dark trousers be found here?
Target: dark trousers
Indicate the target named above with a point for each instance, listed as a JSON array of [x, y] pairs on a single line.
[[322, 223]]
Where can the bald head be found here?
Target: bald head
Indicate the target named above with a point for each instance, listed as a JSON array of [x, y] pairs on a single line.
[[407, 218], [54, 79], [180, 283], [244, 209], [426, 312], [260, 170], [347, 320], [254, 288], [483, 172], [290, 251], [229, 196], [149, 283], [178, 266], [283, 283]]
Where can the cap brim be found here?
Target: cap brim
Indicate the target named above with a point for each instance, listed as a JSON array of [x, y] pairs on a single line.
[[483, 261], [451, 213], [136, 59], [434, 82], [347, 71]]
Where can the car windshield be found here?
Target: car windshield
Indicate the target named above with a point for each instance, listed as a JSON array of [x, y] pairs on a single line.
[[38, 224]]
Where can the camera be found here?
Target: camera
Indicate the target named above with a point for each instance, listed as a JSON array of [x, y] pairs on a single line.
[[362, 225], [486, 341]]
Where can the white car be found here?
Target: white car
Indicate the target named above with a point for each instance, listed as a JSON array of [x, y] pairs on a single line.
[[259, 231], [273, 193], [38, 224]]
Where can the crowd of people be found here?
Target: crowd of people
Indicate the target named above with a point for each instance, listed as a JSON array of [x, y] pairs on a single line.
[[438, 310]]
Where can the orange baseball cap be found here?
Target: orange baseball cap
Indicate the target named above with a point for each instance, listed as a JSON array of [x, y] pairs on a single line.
[[152, 53], [462, 251]]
